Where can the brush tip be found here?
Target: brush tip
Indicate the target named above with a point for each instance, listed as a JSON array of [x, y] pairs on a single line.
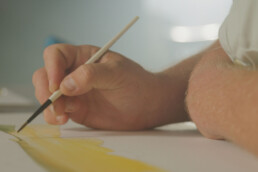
[[22, 127]]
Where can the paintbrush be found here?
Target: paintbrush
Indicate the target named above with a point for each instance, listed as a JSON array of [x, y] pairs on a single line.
[[94, 58]]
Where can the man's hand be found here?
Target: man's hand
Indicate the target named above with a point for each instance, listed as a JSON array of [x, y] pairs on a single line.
[[115, 93]]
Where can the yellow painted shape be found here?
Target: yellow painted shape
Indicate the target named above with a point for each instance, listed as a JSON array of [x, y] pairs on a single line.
[[44, 144]]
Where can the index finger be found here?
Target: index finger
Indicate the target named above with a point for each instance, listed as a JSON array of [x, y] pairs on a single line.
[[60, 59]]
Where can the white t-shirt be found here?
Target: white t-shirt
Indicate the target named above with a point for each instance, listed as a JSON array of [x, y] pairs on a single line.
[[238, 34]]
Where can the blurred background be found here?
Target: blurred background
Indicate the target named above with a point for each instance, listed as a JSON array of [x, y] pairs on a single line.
[[168, 31]]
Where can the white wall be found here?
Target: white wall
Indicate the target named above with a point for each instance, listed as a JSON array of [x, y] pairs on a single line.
[[24, 26]]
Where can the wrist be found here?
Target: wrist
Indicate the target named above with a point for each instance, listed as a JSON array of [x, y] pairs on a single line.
[[169, 93]]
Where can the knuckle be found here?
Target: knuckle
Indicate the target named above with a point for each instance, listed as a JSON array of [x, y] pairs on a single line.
[[118, 63], [111, 57], [108, 57], [53, 49], [87, 71], [90, 49], [93, 49], [48, 50]]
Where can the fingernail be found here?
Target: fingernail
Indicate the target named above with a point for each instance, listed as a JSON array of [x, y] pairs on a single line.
[[52, 87], [60, 119], [69, 84]]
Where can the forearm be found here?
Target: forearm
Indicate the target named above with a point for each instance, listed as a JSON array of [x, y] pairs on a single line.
[[222, 100], [176, 83]]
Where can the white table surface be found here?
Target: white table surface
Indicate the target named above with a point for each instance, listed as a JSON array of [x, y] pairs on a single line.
[[177, 148]]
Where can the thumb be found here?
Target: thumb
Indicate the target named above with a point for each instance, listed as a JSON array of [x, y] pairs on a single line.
[[88, 76]]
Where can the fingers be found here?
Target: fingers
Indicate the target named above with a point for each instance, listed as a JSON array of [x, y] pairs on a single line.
[[55, 113], [42, 93], [58, 58], [55, 119], [68, 107], [62, 58], [88, 76], [72, 104], [40, 83]]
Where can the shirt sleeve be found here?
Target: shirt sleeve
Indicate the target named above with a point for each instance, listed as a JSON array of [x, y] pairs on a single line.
[[238, 35]]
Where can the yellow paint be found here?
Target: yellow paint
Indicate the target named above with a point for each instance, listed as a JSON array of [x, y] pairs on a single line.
[[44, 144]]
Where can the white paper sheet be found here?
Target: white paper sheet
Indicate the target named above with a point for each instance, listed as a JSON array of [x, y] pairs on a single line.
[[174, 147]]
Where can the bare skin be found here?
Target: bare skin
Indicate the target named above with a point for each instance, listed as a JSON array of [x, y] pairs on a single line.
[[117, 94], [222, 100]]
